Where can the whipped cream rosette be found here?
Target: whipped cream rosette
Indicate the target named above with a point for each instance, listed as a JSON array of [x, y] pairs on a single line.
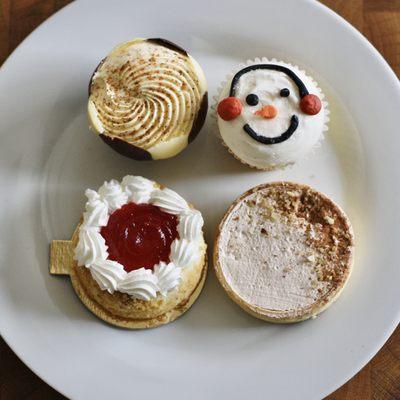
[[148, 99], [270, 113], [139, 256]]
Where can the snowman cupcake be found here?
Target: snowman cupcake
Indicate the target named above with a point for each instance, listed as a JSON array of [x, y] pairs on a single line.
[[270, 114]]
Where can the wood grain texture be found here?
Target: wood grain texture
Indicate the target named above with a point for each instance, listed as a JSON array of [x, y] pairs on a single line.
[[379, 21]]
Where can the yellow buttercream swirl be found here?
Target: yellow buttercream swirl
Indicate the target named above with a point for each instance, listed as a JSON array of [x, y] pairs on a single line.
[[144, 93]]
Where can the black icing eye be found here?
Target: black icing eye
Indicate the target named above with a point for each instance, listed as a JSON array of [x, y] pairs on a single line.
[[252, 99], [284, 92]]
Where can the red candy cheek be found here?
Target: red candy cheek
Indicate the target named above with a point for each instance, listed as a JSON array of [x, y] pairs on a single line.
[[229, 108], [310, 104]]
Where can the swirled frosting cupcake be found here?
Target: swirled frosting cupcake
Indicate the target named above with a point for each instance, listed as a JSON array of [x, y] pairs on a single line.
[[140, 255], [270, 114], [148, 99]]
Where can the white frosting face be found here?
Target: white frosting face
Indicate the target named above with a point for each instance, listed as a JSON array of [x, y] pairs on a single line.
[[267, 85], [143, 284]]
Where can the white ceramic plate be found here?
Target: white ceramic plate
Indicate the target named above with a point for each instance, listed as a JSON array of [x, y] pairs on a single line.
[[48, 158]]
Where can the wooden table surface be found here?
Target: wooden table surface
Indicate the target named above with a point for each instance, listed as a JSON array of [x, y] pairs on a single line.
[[379, 21]]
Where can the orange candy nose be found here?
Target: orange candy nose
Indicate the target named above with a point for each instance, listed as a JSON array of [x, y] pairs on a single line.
[[267, 112]]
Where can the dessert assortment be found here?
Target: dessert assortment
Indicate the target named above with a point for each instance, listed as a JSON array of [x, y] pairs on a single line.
[[148, 99], [137, 259]]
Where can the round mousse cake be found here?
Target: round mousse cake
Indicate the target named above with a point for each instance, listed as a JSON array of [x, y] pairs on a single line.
[[148, 99], [140, 255], [270, 114], [284, 252]]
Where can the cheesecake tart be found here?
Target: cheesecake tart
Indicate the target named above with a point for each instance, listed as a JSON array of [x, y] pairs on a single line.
[[147, 99], [284, 252], [137, 258], [270, 114]]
